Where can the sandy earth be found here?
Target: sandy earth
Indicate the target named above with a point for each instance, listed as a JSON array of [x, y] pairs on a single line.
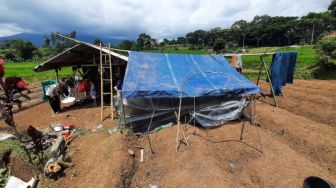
[[288, 144]]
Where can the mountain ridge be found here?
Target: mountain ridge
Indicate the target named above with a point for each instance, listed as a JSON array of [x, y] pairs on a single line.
[[38, 39]]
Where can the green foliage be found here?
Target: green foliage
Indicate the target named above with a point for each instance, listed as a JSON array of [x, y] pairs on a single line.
[[332, 7], [98, 42], [326, 50], [129, 45], [14, 147], [304, 67], [145, 42], [17, 49], [219, 45]]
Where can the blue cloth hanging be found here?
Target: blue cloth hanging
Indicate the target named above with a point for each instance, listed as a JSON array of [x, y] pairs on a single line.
[[282, 69]]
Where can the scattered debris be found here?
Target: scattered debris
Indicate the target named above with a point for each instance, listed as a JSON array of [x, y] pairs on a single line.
[[97, 128], [112, 131], [153, 185], [231, 167], [131, 152], [57, 127], [168, 125], [141, 155], [7, 136], [139, 147], [14, 182]]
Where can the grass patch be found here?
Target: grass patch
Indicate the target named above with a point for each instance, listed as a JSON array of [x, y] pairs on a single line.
[[14, 147], [306, 60], [25, 71]]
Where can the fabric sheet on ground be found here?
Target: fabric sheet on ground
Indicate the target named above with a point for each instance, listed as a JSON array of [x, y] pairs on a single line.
[[154, 82], [282, 69]]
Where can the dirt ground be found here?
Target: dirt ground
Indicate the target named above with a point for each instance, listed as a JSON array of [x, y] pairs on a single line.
[[288, 144]]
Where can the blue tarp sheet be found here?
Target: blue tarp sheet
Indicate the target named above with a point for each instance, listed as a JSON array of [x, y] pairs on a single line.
[[159, 75], [282, 69]]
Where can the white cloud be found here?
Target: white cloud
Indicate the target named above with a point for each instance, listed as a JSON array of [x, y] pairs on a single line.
[[7, 29], [128, 18]]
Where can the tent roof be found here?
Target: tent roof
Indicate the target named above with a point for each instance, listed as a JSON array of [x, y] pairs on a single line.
[[80, 54], [158, 75]]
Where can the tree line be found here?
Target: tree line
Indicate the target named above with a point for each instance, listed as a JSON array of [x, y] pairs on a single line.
[[263, 30]]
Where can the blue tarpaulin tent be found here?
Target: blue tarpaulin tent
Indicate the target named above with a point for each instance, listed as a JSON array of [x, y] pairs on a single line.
[[168, 75], [210, 89]]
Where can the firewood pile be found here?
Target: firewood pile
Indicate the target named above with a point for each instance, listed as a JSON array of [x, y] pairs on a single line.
[[56, 138]]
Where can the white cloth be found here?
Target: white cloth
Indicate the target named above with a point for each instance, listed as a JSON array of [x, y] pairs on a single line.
[[239, 61], [93, 92], [14, 182], [48, 89]]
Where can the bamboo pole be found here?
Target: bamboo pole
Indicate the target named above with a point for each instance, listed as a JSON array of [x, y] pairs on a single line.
[[101, 85], [111, 86], [270, 81], [179, 125]]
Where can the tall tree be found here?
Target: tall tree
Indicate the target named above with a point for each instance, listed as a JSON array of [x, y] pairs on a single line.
[[144, 41], [126, 44], [332, 7], [240, 27]]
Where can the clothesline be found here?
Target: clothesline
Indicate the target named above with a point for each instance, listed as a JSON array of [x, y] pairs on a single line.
[[255, 54]]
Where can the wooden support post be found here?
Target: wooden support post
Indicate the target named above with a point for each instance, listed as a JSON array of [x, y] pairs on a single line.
[[122, 108], [56, 70], [101, 85], [111, 85], [259, 74], [179, 125]]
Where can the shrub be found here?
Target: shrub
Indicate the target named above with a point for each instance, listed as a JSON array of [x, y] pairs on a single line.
[[326, 50]]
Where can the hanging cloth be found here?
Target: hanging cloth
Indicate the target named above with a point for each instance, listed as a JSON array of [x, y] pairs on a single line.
[[282, 69]]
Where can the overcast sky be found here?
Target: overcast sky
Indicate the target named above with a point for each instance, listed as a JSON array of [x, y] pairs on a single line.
[[127, 18]]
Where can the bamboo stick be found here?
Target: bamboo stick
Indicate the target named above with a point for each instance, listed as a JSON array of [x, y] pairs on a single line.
[[270, 81], [101, 85], [111, 86]]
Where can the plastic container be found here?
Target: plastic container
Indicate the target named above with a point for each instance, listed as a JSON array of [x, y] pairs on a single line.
[[316, 182]]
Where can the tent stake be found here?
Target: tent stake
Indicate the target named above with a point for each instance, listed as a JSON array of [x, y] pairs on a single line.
[[242, 130]]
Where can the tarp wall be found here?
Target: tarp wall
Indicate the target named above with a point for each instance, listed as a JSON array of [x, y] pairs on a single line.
[[211, 90], [158, 75]]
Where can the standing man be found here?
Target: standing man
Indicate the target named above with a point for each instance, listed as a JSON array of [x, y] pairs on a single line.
[[239, 63]]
